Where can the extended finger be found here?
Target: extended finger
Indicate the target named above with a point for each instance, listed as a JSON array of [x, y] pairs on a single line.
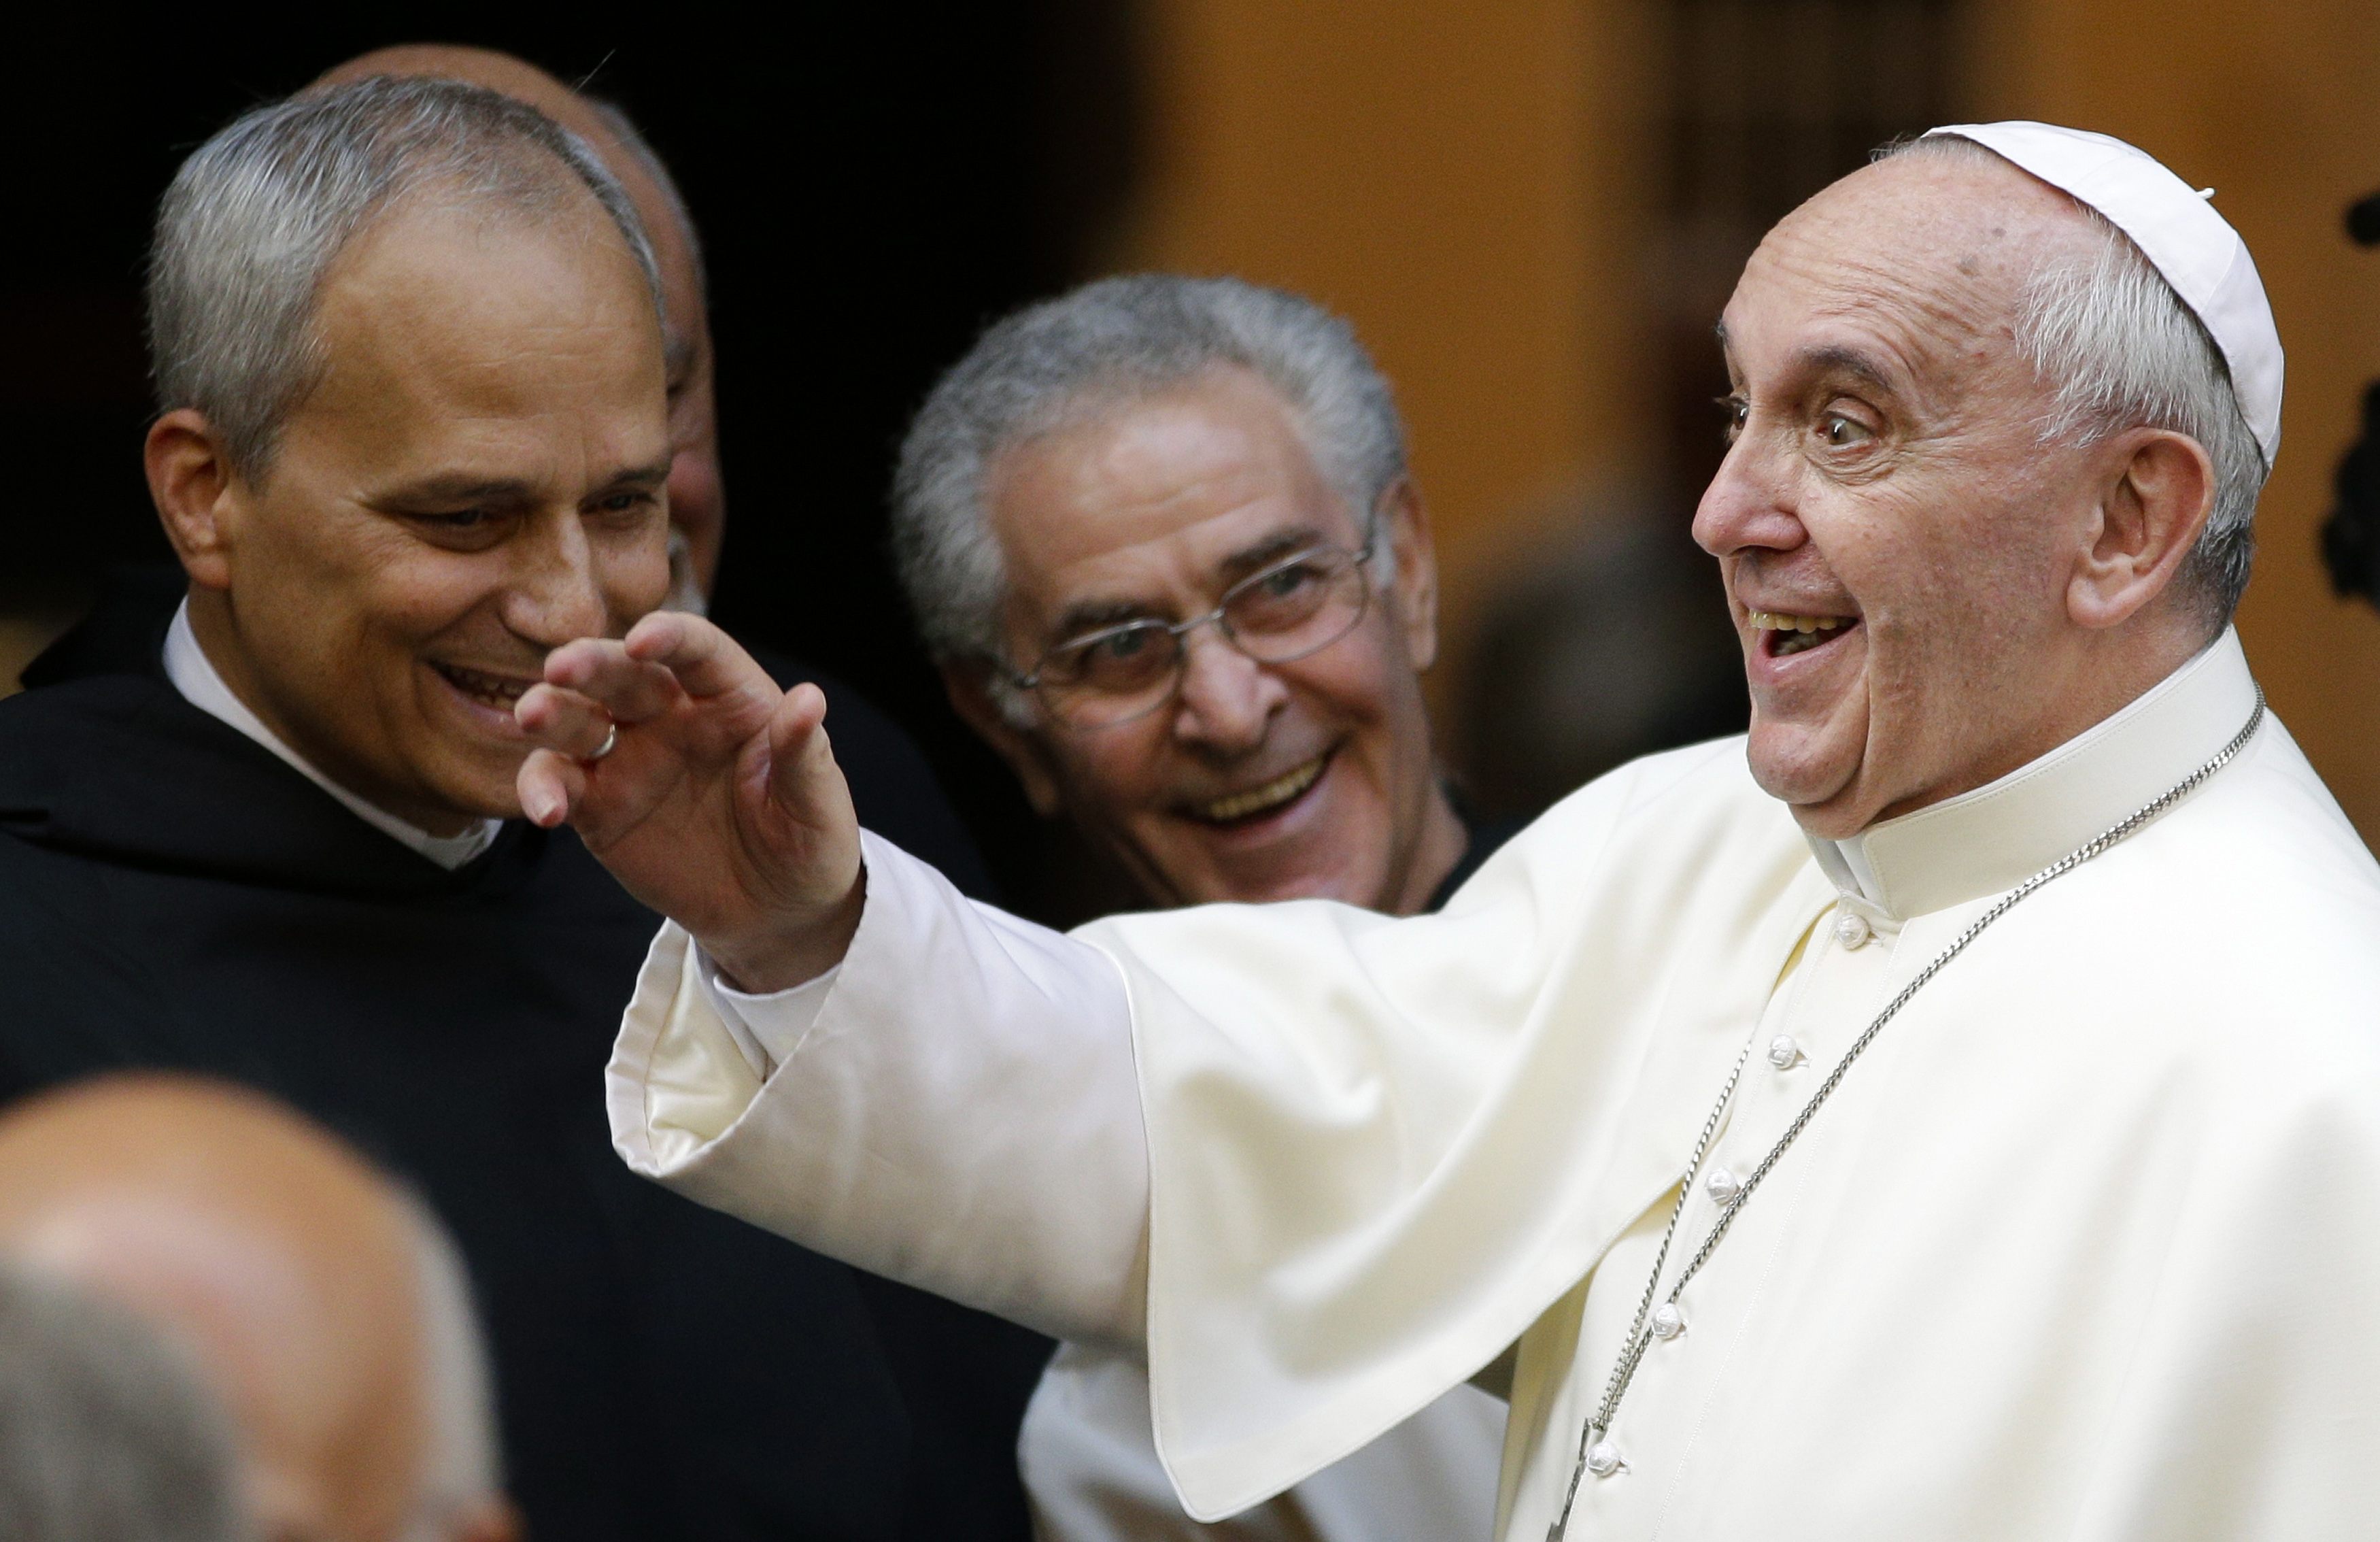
[[631, 690], [550, 783], [705, 661], [798, 751], [564, 720]]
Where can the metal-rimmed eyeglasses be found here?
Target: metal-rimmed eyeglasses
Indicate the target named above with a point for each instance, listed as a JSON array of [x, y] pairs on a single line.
[[1277, 614]]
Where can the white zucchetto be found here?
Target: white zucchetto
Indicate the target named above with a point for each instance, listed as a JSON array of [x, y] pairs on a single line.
[[2176, 229]]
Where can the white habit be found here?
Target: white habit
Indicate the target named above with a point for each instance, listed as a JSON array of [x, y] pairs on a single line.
[[1092, 1474], [2087, 1245]]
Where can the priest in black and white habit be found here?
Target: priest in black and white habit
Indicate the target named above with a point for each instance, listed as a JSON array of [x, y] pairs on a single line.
[[1953, 1110], [408, 345]]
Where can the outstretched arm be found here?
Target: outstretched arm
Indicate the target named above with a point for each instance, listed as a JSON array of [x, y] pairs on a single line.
[[956, 1109]]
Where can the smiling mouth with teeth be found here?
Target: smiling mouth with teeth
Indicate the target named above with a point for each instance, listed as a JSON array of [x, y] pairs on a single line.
[[1795, 633], [1273, 795], [501, 691]]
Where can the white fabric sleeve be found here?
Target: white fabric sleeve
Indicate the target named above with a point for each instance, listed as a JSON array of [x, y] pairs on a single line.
[[767, 1028], [956, 1107]]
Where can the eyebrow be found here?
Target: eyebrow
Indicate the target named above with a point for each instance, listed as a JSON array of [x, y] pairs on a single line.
[[651, 474], [447, 488], [1092, 615], [1839, 360], [450, 488], [1835, 357], [1089, 615], [1271, 549]]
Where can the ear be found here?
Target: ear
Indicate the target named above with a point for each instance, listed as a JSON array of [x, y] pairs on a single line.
[[191, 482], [2154, 500], [968, 685], [1404, 523]]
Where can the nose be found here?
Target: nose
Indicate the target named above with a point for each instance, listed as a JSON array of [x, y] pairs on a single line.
[[1228, 700], [555, 595], [1750, 502]]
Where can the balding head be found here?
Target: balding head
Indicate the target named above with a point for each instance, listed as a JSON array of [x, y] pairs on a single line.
[[317, 1296], [696, 502], [1944, 559]]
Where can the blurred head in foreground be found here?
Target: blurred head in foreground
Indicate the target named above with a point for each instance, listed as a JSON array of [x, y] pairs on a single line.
[[107, 1432], [698, 502], [324, 1308], [1160, 536]]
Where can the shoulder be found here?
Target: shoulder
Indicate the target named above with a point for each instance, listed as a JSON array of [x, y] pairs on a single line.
[[2261, 859], [1693, 812], [2234, 946], [1701, 782], [124, 632], [54, 739]]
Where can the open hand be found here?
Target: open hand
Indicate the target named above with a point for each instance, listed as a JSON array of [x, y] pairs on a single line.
[[719, 803]]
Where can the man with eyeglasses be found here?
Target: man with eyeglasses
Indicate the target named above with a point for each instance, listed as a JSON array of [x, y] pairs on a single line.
[[1160, 536]]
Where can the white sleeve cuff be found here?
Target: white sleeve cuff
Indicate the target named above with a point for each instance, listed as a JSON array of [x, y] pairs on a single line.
[[954, 1105], [767, 1028]]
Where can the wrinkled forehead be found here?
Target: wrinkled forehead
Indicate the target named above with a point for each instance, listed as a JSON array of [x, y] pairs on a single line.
[[1192, 461], [1923, 257]]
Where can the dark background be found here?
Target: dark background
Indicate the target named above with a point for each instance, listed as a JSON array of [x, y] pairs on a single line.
[[872, 187], [869, 193]]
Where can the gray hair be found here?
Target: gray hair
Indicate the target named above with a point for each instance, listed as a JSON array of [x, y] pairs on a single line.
[[107, 1432], [2121, 350], [1063, 361], [255, 218]]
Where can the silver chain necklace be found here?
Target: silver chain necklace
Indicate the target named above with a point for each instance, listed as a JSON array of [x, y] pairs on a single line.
[[1596, 1454]]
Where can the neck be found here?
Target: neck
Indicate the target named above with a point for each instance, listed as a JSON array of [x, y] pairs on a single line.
[[2091, 684], [1441, 847], [217, 630]]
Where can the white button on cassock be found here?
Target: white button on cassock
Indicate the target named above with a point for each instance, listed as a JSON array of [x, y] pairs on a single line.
[[1723, 1186], [1783, 1053], [1667, 1321], [1852, 930], [1603, 1459]]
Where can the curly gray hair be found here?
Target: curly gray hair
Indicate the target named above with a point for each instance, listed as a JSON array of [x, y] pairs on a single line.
[[1056, 363]]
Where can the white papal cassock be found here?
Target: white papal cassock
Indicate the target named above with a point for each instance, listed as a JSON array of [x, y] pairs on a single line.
[[2087, 1245]]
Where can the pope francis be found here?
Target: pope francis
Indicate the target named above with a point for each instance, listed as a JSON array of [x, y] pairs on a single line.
[[1952, 1110]]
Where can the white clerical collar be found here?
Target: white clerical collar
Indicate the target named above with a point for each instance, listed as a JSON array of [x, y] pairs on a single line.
[[194, 674], [1998, 835]]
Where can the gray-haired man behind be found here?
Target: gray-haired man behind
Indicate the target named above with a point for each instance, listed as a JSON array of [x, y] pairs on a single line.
[[1160, 535]]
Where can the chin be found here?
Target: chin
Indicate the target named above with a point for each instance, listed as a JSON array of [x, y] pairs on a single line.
[[1789, 767], [1274, 884], [482, 791]]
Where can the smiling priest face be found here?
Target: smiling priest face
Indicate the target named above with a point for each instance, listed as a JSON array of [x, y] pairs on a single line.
[[473, 473], [1285, 752], [1940, 570]]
